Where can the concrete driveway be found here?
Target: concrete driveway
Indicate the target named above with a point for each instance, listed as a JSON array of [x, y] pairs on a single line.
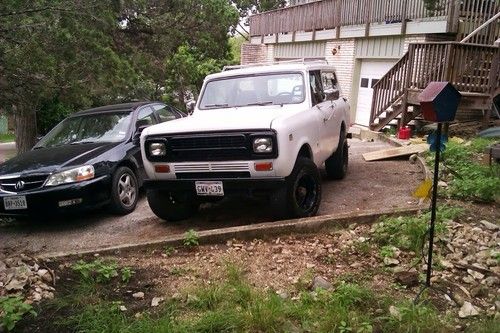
[[368, 186], [7, 150]]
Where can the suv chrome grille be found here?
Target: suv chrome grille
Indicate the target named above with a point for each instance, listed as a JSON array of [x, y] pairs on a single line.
[[22, 183]]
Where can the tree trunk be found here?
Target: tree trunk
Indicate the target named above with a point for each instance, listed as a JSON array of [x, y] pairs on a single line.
[[25, 120]]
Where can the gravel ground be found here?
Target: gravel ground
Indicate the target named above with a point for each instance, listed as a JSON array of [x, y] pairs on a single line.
[[368, 186]]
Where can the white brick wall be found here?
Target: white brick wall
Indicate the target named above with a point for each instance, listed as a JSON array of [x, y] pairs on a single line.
[[343, 61], [253, 53], [270, 53], [413, 39]]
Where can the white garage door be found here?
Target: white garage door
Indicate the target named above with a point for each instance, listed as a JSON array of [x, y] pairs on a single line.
[[371, 72]]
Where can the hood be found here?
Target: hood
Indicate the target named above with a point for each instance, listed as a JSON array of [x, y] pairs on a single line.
[[47, 160], [259, 117]]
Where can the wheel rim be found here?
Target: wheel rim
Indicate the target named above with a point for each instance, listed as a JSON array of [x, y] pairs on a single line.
[[127, 190], [305, 192]]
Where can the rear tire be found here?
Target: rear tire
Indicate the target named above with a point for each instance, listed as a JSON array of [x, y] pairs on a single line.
[[301, 195], [124, 191], [172, 206], [336, 165]]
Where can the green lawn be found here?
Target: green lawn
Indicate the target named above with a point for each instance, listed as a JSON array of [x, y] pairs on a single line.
[[7, 137]]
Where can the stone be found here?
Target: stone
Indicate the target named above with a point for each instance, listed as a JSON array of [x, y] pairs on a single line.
[[442, 184], [447, 264], [394, 312], [475, 274], [123, 308], [322, 283], [309, 265], [409, 279], [390, 261], [177, 297], [491, 281], [468, 279], [16, 284], [138, 295], [468, 310], [479, 291], [489, 225], [156, 301]]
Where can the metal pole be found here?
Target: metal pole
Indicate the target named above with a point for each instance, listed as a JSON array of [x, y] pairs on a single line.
[[433, 207]]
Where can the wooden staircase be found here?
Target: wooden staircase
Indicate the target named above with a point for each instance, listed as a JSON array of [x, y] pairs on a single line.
[[471, 67]]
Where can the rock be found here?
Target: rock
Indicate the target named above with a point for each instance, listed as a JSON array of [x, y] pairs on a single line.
[[468, 310], [468, 279], [489, 225], [123, 308], [282, 294], [391, 261], [192, 299], [409, 279], [177, 297], [16, 284], [394, 312], [442, 184], [447, 264], [476, 275], [156, 301], [322, 283], [490, 281], [138, 295], [37, 297], [309, 265]]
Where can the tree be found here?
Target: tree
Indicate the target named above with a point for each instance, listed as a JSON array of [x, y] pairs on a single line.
[[249, 7]]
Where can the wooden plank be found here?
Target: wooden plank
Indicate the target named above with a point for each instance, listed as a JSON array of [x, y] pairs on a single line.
[[395, 152]]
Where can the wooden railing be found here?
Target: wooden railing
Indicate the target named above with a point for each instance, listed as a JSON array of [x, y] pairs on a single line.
[[473, 13], [471, 68], [328, 14]]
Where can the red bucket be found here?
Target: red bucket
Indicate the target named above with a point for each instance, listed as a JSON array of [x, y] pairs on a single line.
[[404, 133]]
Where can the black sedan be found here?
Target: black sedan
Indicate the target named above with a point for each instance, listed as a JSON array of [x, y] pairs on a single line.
[[90, 159]]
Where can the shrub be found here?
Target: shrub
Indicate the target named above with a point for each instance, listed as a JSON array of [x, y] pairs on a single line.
[[12, 309]]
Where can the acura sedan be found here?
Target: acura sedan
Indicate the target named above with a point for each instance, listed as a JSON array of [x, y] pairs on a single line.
[[90, 159]]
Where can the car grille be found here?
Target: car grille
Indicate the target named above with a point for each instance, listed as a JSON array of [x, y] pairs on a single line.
[[22, 184], [212, 147], [212, 175]]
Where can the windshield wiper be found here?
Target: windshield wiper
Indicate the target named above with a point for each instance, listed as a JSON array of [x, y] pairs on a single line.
[[80, 142], [259, 103], [38, 147], [216, 105]]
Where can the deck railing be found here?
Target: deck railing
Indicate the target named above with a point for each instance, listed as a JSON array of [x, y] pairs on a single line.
[[328, 14], [471, 68]]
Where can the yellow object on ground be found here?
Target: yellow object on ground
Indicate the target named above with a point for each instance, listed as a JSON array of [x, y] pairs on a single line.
[[424, 189]]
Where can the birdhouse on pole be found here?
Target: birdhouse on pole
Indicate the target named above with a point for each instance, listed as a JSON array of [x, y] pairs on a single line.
[[439, 102]]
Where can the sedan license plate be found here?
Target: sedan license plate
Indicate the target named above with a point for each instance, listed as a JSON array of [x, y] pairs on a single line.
[[209, 188], [13, 203]]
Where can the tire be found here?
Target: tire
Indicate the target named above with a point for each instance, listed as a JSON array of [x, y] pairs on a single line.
[[172, 206], [337, 164], [124, 191], [301, 195]]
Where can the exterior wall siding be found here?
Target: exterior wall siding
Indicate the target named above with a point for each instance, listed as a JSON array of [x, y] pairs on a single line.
[[343, 61], [253, 53]]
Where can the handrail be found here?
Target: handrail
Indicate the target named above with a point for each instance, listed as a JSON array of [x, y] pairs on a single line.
[[481, 27]]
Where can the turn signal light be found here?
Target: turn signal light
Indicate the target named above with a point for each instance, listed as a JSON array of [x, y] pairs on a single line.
[[267, 166], [162, 168]]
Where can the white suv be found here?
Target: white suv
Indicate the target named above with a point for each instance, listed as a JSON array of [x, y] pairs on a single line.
[[259, 131]]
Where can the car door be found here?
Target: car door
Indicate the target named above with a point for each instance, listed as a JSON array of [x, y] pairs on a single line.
[[323, 112], [166, 113], [332, 109]]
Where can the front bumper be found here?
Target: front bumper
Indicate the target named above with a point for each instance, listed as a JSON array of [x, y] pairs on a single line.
[[232, 186], [45, 201]]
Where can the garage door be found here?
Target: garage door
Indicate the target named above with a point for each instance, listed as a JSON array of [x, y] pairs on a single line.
[[371, 72]]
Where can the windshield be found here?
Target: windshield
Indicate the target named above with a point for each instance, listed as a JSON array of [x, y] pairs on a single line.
[[108, 127], [261, 89]]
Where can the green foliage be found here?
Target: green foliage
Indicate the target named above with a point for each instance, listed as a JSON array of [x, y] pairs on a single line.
[[168, 250], [470, 179], [413, 318], [126, 274], [7, 137], [407, 232], [387, 251], [191, 238], [235, 45], [97, 270], [484, 325], [12, 309], [50, 114]]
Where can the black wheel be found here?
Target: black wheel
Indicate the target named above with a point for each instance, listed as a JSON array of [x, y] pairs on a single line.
[[172, 206], [301, 195], [124, 191], [336, 165]]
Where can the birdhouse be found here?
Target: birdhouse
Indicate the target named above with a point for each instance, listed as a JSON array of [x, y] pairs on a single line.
[[439, 102]]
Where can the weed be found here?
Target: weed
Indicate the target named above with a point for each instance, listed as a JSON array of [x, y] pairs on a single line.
[[97, 270], [415, 318], [362, 247], [485, 325], [178, 271], [126, 273], [191, 238], [387, 251], [329, 259], [169, 250], [407, 232], [12, 309]]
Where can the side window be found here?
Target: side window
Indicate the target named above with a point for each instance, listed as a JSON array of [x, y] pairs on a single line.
[[164, 113], [330, 85], [145, 117], [317, 93]]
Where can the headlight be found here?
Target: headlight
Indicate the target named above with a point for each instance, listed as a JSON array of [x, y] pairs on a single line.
[[263, 145], [71, 176], [157, 149]]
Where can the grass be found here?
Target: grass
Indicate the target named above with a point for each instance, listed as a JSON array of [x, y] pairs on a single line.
[[467, 177], [234, 305], [7, 137], [408, 232]]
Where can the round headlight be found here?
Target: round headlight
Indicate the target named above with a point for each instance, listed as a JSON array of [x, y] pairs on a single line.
[[263, 145], [157, 149]]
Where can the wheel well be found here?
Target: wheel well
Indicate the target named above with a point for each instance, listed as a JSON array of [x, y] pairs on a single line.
[[342, 127], [131, 165], [305, 151]]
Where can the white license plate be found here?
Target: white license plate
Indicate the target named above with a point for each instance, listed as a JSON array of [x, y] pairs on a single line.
[[17, 202], [209, 188]]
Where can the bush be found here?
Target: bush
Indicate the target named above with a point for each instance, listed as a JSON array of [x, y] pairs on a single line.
[[12, 309], [50, 114]]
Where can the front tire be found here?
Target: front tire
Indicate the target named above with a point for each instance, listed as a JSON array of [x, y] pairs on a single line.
[[172, 206], [301, 195], [337, 164], [124, 191]]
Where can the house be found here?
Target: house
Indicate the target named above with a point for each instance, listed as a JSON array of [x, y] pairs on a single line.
[[387, 51]]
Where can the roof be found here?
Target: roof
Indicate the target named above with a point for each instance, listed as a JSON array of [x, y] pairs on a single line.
[[124, 107], [273, 68]]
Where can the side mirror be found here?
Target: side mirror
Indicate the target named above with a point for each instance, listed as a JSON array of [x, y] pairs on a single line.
[[332, 95], [137, 134], [190, 106]]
